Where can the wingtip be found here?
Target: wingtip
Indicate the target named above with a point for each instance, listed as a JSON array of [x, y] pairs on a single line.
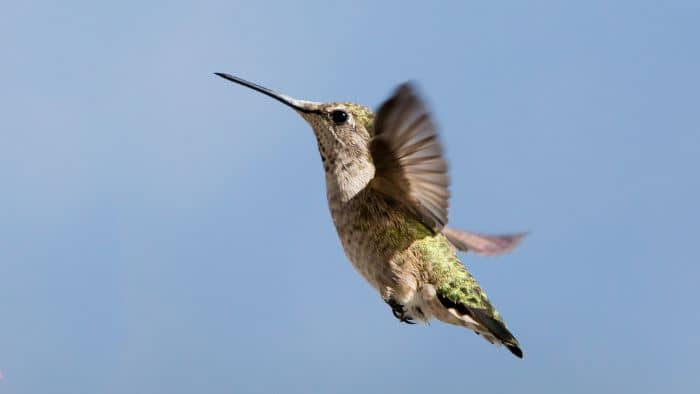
[[484, 244], [517, 238]]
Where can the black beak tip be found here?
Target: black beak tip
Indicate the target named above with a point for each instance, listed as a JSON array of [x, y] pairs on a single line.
[[277, 96]]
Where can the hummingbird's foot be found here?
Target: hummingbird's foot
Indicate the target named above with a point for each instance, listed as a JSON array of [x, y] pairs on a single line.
[[399, 312]]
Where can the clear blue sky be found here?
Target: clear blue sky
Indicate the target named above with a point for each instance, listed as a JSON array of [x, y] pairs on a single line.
[[165, 231]]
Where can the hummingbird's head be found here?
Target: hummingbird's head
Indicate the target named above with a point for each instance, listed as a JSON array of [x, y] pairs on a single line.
[[341, 129]]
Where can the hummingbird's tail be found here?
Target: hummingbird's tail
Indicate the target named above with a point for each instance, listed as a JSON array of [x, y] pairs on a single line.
[[500, 332], [482, 322]]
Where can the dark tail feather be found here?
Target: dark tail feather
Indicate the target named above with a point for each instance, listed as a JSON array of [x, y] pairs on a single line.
[[496, 327], [499, 330], [515, 350]]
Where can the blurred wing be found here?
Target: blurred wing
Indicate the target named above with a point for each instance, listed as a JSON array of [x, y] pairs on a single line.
[[408, 159], [486, 245]]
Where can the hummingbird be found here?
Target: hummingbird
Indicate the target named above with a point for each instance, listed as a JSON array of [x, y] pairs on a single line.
[[387, 185]]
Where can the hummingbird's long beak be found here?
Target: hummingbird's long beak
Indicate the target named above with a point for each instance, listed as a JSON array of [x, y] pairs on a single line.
[[299, 105]]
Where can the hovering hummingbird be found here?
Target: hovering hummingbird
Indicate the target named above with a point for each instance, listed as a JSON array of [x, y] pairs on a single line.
[[387, 188]]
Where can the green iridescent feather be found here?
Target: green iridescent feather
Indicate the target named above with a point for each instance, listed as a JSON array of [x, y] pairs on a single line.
[[450, 278]]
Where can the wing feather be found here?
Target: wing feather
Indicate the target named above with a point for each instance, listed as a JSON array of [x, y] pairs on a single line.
[[408, 158]]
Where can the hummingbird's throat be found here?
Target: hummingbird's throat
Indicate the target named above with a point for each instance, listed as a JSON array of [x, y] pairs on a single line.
[[345, 179]]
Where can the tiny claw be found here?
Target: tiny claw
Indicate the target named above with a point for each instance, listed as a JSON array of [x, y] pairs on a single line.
[[398, 311]]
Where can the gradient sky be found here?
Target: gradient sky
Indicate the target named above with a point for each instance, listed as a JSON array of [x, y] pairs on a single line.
[[165, 231]]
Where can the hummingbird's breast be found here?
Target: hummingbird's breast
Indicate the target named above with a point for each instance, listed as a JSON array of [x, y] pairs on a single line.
[[377, 236]]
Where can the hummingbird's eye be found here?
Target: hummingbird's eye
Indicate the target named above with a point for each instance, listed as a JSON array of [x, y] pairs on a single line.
[[339, 116]]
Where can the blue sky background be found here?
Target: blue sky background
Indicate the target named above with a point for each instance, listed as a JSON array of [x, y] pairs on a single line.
[[164, 231]]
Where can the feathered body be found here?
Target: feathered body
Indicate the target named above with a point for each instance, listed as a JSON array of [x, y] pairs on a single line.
[[411, 266], [387, 188]]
